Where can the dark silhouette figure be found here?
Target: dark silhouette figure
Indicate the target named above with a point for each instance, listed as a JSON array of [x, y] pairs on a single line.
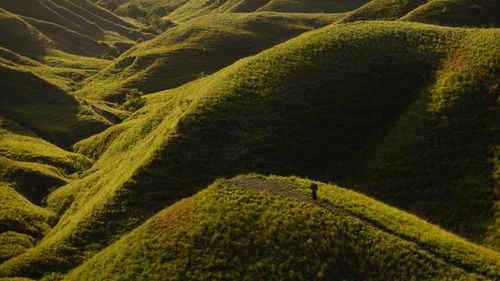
[[314, 188]]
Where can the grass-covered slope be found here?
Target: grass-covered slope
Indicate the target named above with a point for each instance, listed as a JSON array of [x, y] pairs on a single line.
[[69, 41], [383, 10], [440, 159], [196, 48], [469, 13], [46, 109], [21, 223], [18, 35], [311, 6], [80, 16], [481, 13], [183, 10], [318, 106], [254, 228], [32, 165]]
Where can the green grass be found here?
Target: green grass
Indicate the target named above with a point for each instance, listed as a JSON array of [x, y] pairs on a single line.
[[20, 36], [383, 10], [468, 13], [21, 216], [195, 8], [79, 16], [321, 105], [13, 244], [196, 48], [46, 109], [231, 232], [69, 41], [479, 13]]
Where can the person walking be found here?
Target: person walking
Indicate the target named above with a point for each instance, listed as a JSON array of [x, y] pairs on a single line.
[[314, 188]]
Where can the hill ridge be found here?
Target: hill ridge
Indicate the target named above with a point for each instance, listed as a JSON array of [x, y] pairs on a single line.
[[274, 187]]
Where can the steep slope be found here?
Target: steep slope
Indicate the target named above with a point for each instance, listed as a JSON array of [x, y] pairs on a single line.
[[18, 35], [314, 6], [21, 223], [23, 45], [34, 166], [45, 108], [485, 13], [383, 10], [318, 105], [254, 228], [69, 41], [480, 13], [196, 48], [80, 16], [183, 10], [194, 8]]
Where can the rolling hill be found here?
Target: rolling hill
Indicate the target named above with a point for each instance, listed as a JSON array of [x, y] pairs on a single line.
[[22, 223], [256, 228], [79, 16], [183, 10], [468, 13], [196, 48], [46, 109], [342, 103], [484, 13]]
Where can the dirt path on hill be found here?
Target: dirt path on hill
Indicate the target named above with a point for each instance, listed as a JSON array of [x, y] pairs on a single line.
[[276, 188]]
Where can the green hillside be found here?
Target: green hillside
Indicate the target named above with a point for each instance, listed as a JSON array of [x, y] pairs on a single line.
[[46, 109], [196, 48], [183, 10], [469, 13], [383, 10], [311, 6], [323, 105], [484, 13], [21, 223], [69, 41], [22, 45], [79, 15], [255, 228], [20, 36]]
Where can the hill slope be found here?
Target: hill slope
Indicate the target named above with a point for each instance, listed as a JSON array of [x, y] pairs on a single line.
[[254, 228], [483, 13], [79, 15], [21, 223], [183, 10], [45, 108], [196, 48], [347, 88], [480, 13], [78, 27]]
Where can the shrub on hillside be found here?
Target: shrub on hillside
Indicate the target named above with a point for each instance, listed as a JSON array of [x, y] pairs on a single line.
[[133, 100]]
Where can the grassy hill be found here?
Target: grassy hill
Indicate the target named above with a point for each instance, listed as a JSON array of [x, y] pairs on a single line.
[[485, 13], [20, 36], [46, 109], [183, 10], [196, 48], [256, 228], [322, 105], [35, 28], [480, 13], [21, 222], [80, 16]]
